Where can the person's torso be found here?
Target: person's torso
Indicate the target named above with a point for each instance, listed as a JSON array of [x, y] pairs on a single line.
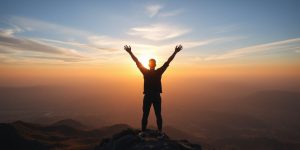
[[152, 81]]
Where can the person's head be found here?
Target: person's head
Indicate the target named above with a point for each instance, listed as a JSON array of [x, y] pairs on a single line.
[[152, 63]]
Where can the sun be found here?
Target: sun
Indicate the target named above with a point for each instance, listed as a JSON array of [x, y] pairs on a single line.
[[145, 56]]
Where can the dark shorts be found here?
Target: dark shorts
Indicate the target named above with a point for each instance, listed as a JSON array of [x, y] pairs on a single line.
[[152, 99]]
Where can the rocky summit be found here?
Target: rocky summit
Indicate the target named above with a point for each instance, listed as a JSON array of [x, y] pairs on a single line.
[[129, 139]]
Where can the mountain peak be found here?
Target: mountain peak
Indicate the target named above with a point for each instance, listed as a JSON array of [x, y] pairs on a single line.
[[70, 122], [130, 140]]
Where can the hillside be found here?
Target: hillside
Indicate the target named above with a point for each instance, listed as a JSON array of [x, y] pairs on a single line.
[[62, 135], [68, 134]]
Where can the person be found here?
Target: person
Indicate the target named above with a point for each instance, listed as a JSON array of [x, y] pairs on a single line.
[[152, 87]]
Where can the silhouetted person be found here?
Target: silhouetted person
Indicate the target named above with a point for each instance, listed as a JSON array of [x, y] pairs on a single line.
[[152, 86]]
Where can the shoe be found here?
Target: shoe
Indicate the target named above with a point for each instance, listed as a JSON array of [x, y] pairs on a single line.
[[142, 134], [161, 135]]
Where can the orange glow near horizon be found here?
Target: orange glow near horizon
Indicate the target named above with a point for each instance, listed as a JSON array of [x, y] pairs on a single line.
[[36, 75]]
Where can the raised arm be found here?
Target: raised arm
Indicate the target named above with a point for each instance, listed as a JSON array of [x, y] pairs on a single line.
[[138, 63], [128, 49], [166, 64], [177, 49]]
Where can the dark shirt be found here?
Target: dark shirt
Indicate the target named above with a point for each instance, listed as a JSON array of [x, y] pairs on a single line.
[[152, 78]]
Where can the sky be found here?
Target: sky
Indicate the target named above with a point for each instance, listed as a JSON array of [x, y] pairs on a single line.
[[43, 38]]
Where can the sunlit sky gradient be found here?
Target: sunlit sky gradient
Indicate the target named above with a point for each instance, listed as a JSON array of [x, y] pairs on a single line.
[[53, 34]]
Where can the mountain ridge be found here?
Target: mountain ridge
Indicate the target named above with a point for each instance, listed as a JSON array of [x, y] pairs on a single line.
[[64, 134]]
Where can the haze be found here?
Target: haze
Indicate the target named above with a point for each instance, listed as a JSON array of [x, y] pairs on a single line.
[[238, 71]]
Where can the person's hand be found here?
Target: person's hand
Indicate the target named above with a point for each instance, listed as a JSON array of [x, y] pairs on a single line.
[[127, 48], [178, 48]]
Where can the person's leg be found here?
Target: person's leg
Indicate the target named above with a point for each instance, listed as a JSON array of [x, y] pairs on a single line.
[[146, 109], [157, 109]]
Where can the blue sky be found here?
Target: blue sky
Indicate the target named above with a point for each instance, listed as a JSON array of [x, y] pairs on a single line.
[[95, 31]]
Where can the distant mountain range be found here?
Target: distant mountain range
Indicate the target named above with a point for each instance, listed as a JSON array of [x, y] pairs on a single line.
[[66, 134], [268, 119]]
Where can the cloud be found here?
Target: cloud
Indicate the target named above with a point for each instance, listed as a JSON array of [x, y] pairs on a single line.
[[21, 44], [290, 44], [83, 46], [153, 10], [191, 43], [9, 32], [65, 59], [158, 32], [29, 24], [91, 41], [171, 13], [105, 43], [157, 10]]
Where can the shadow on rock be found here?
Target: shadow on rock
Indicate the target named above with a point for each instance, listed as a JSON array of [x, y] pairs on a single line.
[[130, 140]]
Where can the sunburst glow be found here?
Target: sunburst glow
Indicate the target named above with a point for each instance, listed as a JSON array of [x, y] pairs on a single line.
[[145, 56]]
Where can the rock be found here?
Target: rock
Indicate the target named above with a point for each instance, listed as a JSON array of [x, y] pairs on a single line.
[[129, 140]]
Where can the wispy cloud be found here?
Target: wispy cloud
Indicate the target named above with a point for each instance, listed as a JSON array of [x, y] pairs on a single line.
[[171, 13], [85, 46], [65, 59], [89, 41], [30, 24], [158, 32], [290, 44], [20, 48], [17, 43], [105, 42], [9, 32], [191, 43], [153, 10], [159, 11], [10, 44]]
